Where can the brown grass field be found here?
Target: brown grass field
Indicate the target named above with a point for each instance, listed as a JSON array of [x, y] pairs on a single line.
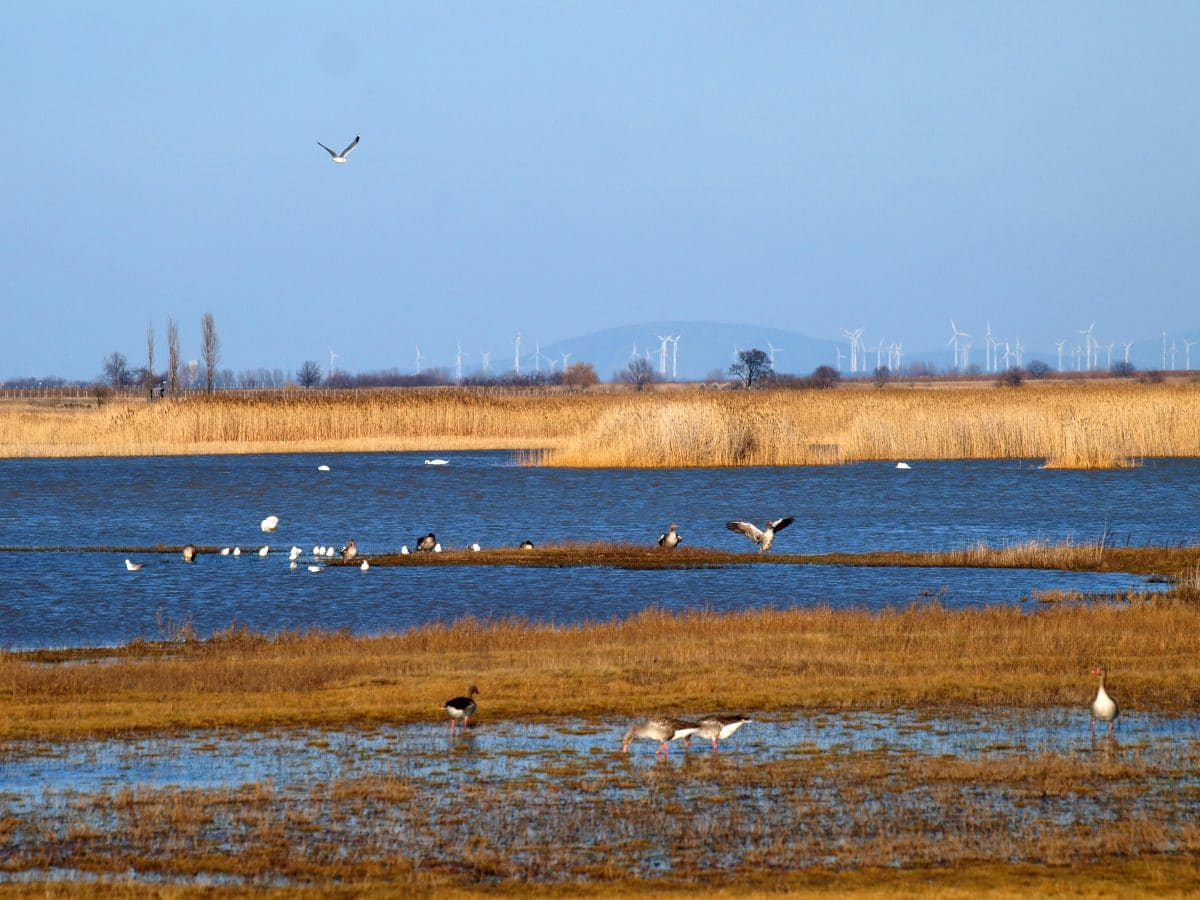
[[1086, 425]]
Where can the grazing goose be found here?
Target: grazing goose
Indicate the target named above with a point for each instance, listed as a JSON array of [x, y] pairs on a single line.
[[764, 539], [264, 550], [717, 728], [671, 539], [427, 543], [350, 550], [270, 523], [365, 565], [662, 729], [1104, 707], [461, 708], [189, 553], [345, 154], [526, 545], [132, 566]]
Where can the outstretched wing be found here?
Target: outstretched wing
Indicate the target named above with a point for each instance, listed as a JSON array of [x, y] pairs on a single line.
[[352, 145], [662, 539], [780, 524], [747, 529], [326, 149]]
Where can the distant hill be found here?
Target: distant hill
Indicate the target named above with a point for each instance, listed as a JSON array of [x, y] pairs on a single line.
[[702, 348]]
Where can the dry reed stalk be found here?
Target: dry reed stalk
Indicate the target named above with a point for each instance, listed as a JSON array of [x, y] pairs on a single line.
[[755, 660]]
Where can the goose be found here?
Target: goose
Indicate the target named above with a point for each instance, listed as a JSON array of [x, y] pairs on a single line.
[[237, 551], [475, 548], [365, 565], [526, 545], [903, 465], [1104, 707], [659, 728], [350, 550], [437, 462], [716, 728], [264, 550], [404, 550], [189, 553], [461, 708], [764, 538], [224, 551], [322, 468], [426, 544], [270, 523], [345, 154], [671, 539], [315, 568], [131, 566]]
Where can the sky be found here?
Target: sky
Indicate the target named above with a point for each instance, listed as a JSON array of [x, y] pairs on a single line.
[[559, 168]]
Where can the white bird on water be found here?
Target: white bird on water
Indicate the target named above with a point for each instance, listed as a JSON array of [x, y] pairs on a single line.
[[294, 553], [322, 468], [404, 550], [315, 568], [132, 566], [365, 565], [903, 465], [224, 551], [270, 523], [237, 551], [475, 547], [265, 550], [437, 462], [340, 157]]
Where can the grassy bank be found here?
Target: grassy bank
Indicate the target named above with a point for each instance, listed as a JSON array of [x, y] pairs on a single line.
[[765, 660], [1068, 425]]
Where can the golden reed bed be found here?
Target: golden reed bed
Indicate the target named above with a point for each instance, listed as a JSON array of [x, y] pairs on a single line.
[[1091, 425]]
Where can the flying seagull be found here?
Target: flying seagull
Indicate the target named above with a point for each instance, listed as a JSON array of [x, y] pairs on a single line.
[[340, 157], [765, 538]]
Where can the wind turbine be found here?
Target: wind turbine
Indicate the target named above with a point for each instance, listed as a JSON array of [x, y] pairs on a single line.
[[332, 357], [1059, 345], [899, 356], [419, 358], [987, 348], [1187, 353], [773, 350], [1111, 344], [854, 337], [1164, 364], [517, 354], [1019, 352], [1127, 345], [675, 357], [633, 354], [458, 361], [1087, 344], [954, 340], [840, 356], [662, 354], [485, 359], [565, 357], [1174, 351], [879, 354]]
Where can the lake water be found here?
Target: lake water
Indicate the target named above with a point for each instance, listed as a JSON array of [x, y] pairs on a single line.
[[385, 500]]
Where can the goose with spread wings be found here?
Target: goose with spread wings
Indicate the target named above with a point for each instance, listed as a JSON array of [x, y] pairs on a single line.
[[764, 538], [340, 157]]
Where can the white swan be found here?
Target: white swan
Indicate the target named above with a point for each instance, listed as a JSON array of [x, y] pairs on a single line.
[[224, 551], [132, 566], [903, 465], [315, 568], [437, 462], [264, 551], [322, 468], [237, 551], [270, 523]]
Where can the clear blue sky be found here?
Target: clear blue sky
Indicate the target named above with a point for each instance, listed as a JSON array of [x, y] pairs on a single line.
[[561, 168]]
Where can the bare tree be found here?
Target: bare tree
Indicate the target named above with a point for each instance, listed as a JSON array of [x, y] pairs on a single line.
[[639, 373], [309, 374], [116, 369], [150, 359], [210, 349], [751, 366], [172, 355], [580, 376]]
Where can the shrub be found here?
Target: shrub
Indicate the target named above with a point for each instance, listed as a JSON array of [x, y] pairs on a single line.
[[1013, 377]]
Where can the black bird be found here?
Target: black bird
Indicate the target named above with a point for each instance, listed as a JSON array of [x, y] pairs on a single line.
[[427, 543]]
